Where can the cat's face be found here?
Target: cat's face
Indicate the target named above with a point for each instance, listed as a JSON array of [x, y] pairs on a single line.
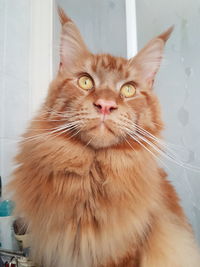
[[104, 100]]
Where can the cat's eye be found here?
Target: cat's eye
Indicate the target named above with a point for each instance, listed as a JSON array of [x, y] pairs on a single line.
[[85, 82], [128, 90]]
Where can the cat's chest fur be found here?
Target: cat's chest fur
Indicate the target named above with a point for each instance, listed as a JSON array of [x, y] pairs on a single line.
[[101, 217], [87, 208]]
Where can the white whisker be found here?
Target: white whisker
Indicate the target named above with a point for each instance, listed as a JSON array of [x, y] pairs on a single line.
[[169, 157], [66, 127], [65, 131], [153, 154]]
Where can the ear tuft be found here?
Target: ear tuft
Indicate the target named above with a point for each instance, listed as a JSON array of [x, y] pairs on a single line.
[[165, 35], [63, 17]]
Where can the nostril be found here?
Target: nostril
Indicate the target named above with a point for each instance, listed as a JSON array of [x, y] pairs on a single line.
[[112, 108], [98, 106]]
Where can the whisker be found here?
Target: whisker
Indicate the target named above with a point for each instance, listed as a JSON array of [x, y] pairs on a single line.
[[57, 129], [65, 131], [155, 123], [75, 133], [129, 143], [64, 116], [130, 122], [68, 110], [89, 141], [158, 145], [154, 137], [167, 156], [157, 140], [135, 139], [153, 154], [165, 148], [48, 120]]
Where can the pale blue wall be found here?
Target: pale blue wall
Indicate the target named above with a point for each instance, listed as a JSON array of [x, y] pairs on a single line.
[[178, 87]]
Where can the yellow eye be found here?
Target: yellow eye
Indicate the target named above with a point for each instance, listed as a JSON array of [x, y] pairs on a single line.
[[128, 90], [85, 82]]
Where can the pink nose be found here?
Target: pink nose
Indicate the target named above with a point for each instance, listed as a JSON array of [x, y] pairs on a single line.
[[105, 106]]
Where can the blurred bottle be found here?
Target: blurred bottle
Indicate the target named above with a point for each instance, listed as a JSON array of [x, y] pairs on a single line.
[[7, 240]]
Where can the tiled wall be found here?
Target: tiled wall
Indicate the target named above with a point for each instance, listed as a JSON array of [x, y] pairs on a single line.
[[178, 86], [14, 77]]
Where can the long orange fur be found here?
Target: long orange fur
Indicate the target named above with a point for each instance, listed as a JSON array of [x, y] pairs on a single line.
[[96, 197]]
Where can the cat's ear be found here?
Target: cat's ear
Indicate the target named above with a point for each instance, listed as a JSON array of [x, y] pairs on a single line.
[[148, 60], [72, 46]]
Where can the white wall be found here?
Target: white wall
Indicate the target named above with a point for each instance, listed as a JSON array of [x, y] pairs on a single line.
[[14, 77], [178, 87], [25, 69]]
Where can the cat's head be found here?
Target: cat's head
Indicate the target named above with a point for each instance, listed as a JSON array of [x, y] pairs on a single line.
[[104, 100]]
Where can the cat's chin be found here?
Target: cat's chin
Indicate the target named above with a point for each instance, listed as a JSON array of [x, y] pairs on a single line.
[[103, 143], [98, 141]]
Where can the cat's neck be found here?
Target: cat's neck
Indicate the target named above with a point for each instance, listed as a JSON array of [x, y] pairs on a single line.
[[129, 166], [72, 156]]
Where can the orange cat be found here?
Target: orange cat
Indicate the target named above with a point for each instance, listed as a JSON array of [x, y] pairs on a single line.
[[87, 183]]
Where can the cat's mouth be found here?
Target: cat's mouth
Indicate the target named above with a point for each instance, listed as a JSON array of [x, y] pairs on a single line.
[[100, 133], [103, 126]]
